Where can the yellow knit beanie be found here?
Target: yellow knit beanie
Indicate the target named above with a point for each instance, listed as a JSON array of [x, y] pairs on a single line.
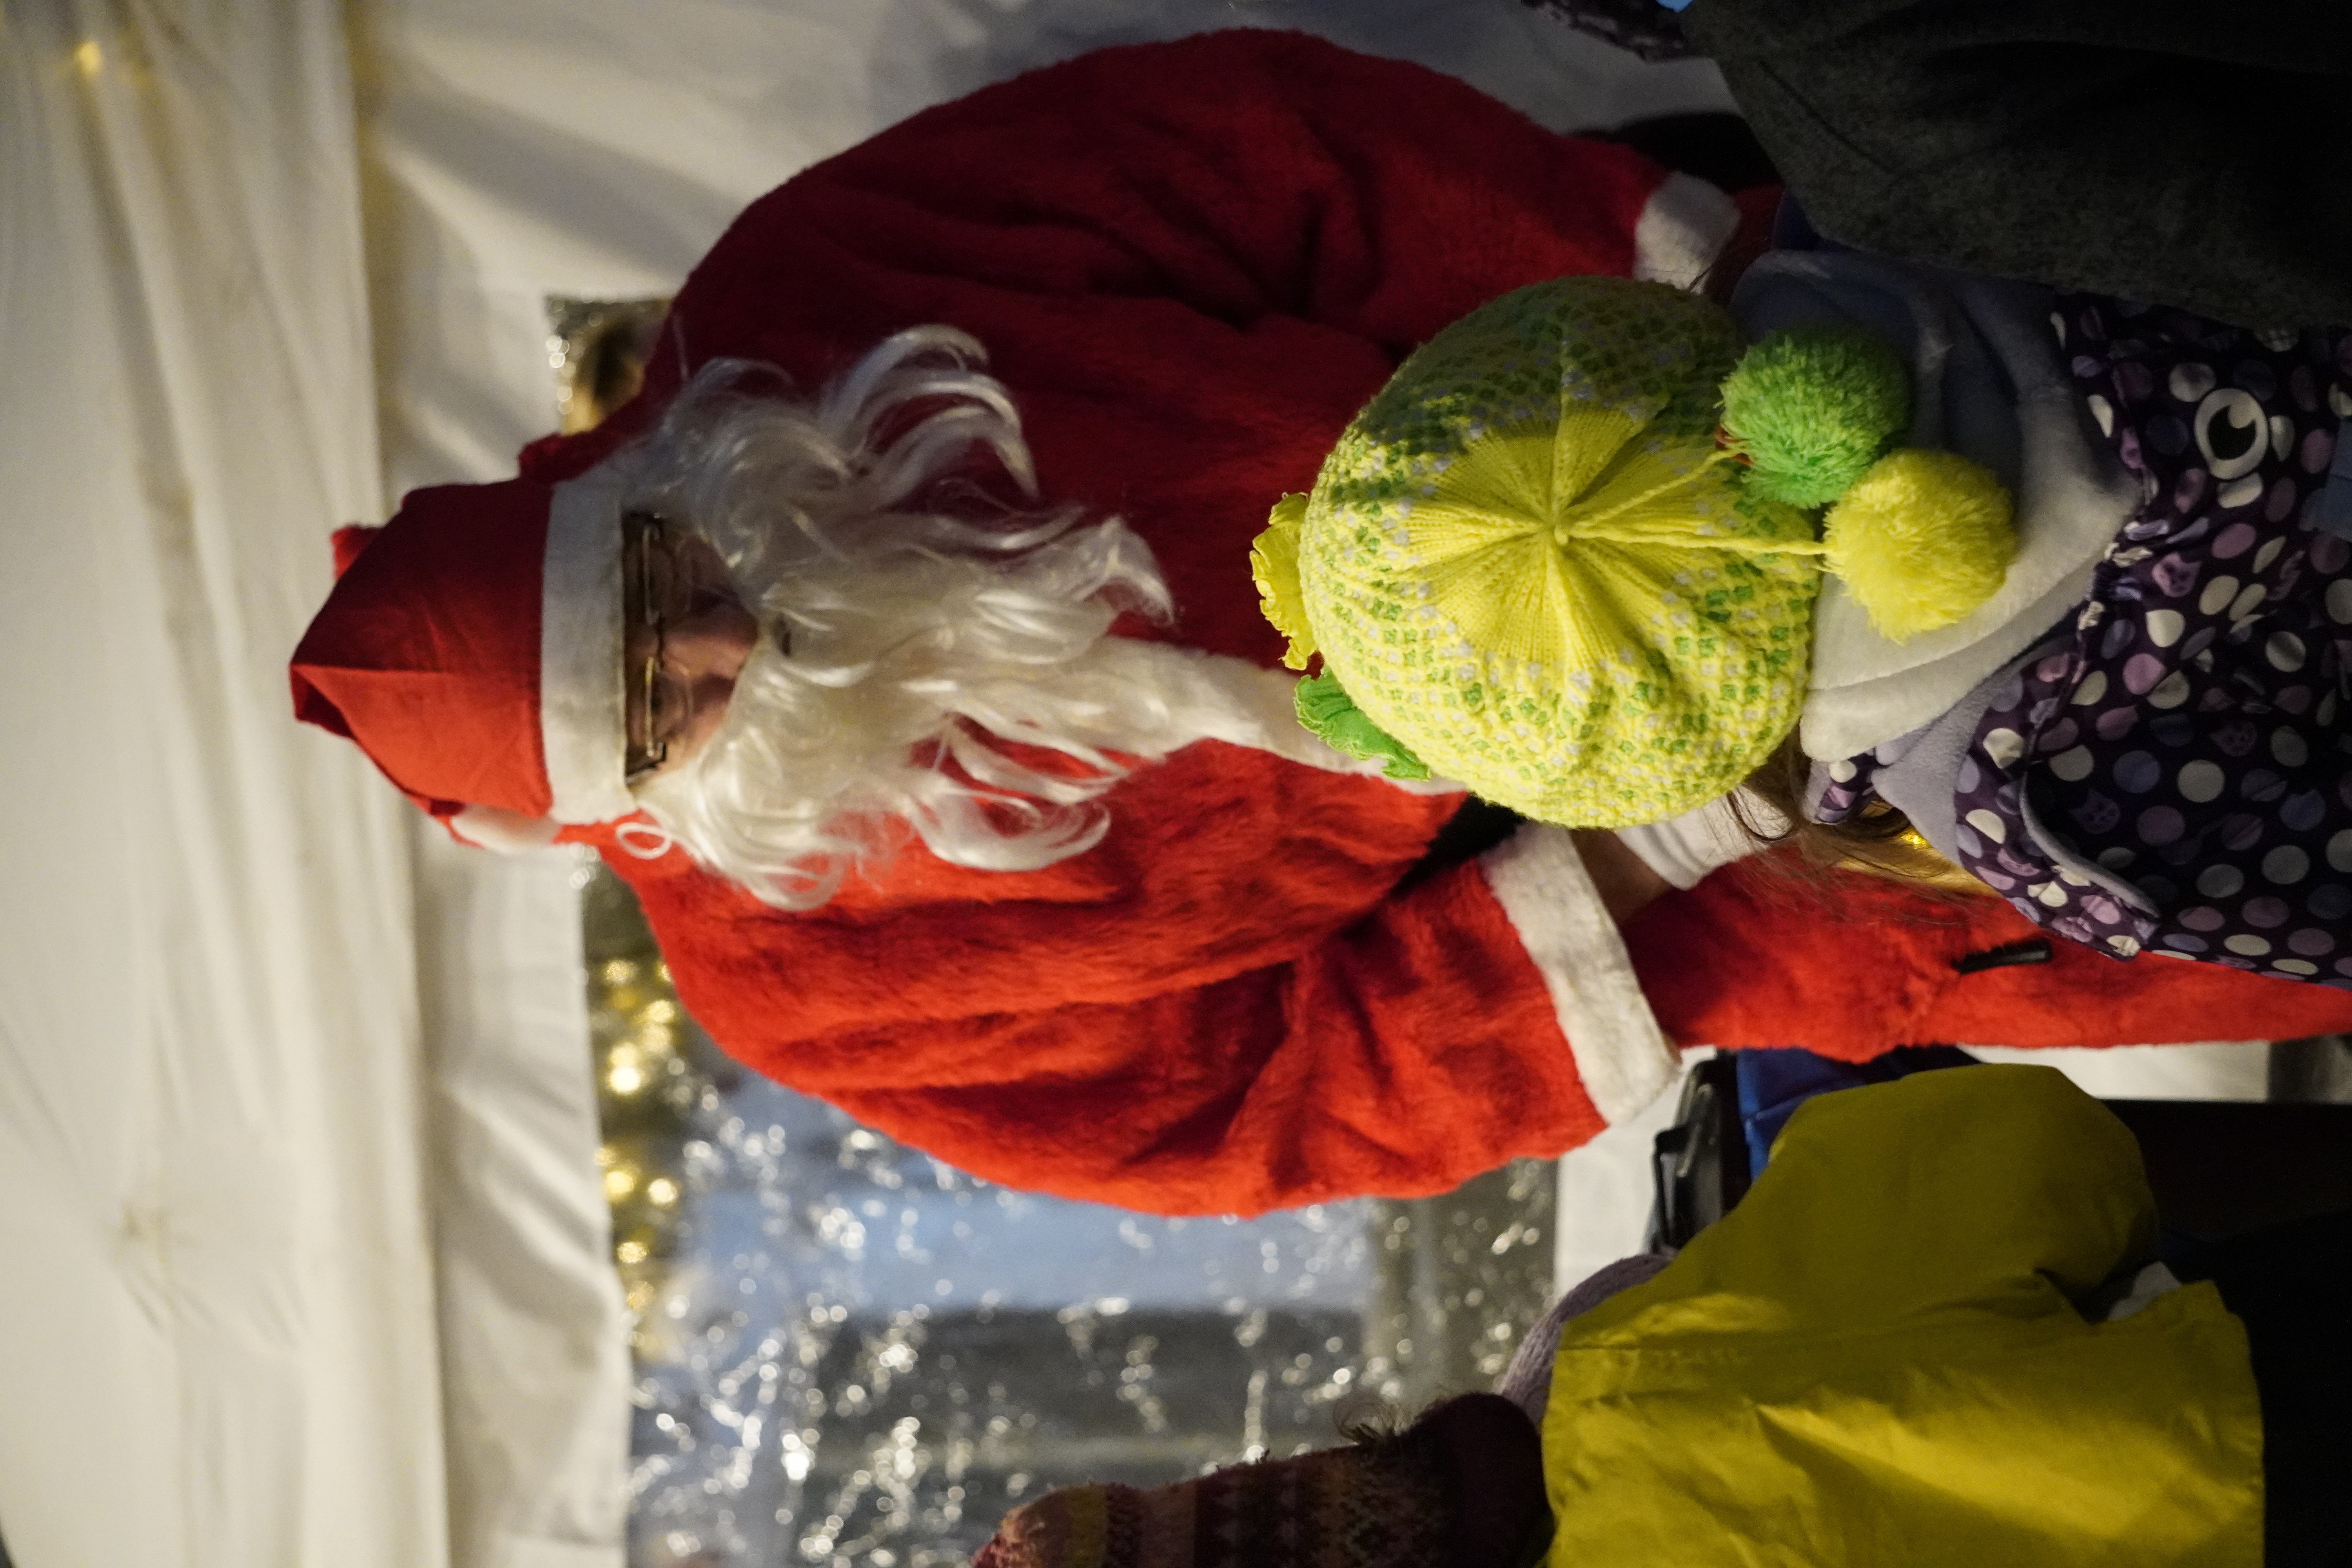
[[1537, 565]]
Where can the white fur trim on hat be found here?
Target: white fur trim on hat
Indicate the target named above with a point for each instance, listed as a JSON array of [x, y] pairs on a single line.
[[581, 716], [1683, 227], [508, 832]]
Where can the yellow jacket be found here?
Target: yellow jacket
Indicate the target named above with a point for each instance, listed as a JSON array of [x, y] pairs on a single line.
[[1876, 1361]]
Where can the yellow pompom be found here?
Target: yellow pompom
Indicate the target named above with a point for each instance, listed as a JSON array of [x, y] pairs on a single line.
[[1921, 539], [1274, 564]]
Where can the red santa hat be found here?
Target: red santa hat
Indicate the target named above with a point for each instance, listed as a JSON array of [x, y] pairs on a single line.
[[472, 648]]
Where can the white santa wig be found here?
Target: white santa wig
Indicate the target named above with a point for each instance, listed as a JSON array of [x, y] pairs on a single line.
[[917, 607]]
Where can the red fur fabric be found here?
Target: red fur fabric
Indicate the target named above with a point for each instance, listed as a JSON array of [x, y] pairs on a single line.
[[1860, 966], [1192, 262], [1226, 1007]]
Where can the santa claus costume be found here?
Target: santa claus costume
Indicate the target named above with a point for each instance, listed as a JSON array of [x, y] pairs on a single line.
[[1189, 265]]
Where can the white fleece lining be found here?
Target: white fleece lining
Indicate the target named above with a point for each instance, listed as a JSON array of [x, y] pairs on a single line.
[[1684, 850], [1683, 227], [580, 702], [1621, 1053]]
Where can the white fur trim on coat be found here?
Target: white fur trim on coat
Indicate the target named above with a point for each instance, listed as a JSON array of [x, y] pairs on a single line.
[[1621, 1053], [580, 690], [1683, 227]]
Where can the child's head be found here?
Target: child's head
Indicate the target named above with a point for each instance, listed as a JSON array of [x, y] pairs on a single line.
[[1536, 562]]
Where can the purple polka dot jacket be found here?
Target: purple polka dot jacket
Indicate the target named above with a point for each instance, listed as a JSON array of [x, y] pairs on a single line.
[[2170, 769]]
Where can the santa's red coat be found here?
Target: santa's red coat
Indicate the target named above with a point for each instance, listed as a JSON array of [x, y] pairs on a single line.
[[1192, 264]]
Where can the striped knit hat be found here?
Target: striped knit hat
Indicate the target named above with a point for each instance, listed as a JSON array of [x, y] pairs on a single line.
[[1365, 1507]]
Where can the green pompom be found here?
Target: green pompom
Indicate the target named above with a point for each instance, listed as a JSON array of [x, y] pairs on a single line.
[[1811, 409], [1921, 539], [1327, 710]]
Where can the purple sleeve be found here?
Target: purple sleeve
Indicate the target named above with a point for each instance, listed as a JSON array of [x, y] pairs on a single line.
[[1527, 1381]]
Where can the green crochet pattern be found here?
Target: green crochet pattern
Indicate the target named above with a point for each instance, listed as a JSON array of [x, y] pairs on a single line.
[[1324, 707], [1811, 409], [1527, 562]]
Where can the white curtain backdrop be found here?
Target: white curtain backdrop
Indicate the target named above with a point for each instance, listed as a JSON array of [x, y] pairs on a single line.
[[218, 1342]]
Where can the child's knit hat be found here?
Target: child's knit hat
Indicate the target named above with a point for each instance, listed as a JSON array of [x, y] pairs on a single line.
[[1537, 564], [1342, 1507]]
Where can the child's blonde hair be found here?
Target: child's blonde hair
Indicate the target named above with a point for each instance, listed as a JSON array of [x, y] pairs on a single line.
[[1878, 840]]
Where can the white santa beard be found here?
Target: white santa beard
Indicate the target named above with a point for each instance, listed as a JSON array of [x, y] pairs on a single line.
[[886, 719], [925, 621]]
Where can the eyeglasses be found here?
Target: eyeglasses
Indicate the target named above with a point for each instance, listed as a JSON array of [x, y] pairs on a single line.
[[671, 584], [655, 708]]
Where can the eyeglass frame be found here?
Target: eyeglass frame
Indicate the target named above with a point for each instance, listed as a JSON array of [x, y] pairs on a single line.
[[640, 532]]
